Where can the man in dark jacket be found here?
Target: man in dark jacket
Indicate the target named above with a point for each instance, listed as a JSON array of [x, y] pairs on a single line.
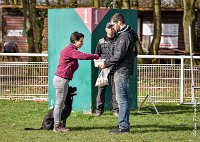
[[105, 49], [123, 59]]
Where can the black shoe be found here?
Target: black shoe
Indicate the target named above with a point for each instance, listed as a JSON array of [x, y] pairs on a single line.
[[119, 130]]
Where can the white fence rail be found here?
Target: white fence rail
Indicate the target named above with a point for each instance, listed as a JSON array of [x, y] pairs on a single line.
[[24, 80], [163, 82], [167, 82]]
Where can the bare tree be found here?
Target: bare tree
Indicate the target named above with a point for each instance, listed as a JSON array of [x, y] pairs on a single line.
[[135, 4], [127, 4], [117, 4], [73, 3], [179, 3], [34, 25], [96, 3], [198, 4], [157, 28], [189, 19]]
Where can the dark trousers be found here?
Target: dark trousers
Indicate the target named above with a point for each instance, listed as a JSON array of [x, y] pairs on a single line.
[[100, 100]]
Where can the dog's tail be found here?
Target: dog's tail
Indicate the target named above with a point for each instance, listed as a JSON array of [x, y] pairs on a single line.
[[30, 129]]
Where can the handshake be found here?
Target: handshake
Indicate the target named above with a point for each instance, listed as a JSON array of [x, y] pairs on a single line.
[[99, 63]]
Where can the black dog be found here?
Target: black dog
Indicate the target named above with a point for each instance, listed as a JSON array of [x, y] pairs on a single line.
[[11, 47], [48, 121]]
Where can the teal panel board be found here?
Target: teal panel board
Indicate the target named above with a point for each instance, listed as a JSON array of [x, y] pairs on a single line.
[[99, 32], [61, 23]]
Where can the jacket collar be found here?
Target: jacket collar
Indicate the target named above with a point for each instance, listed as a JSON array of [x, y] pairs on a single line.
[[109, 38], [123, 29], [73, 46]]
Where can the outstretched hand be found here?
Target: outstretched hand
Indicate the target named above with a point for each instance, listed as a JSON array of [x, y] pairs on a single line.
[[96, 56]]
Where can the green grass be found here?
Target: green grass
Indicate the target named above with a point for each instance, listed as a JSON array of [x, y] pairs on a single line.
[[174, 124]]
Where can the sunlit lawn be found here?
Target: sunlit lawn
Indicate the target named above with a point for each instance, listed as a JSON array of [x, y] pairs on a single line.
[[174, 124]]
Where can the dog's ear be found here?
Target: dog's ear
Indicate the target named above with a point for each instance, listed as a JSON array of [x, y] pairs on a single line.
[[71, 91], [75, 88]]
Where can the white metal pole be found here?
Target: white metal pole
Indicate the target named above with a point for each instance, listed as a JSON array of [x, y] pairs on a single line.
[[191, 66], [182, 81]]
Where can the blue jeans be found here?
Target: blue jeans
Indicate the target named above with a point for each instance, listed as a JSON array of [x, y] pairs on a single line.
[[122, 87], [61, 87]]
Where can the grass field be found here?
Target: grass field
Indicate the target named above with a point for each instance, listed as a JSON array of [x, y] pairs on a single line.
[[174, 124]]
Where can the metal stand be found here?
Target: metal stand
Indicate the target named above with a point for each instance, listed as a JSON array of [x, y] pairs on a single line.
[[151, 99], [194, 103]]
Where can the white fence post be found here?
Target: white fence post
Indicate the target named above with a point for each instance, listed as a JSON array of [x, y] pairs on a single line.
[[182, 80]]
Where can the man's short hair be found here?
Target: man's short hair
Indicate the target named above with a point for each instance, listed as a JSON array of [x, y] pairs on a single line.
[[117, 17]]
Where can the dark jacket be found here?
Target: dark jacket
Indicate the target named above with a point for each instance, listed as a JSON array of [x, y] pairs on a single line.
[[68, 62], [105, 48], [125, 51]]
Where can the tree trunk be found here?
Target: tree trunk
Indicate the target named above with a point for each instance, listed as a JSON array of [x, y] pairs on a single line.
[[179, 3], [6, 1], [73, 3], [151, 3], [140, 52], [34, 26], [157, 28], [96, 3], [126, 4], [117, 4], [198, 4], [91, 2], [28, 27], [15, 2], [47, 2], [135, 4], [189, 19], [107, 4]]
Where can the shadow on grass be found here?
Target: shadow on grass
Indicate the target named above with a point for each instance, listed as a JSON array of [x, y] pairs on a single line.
[[135, 128], [165, 109], [160, 128], [139, 128]]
